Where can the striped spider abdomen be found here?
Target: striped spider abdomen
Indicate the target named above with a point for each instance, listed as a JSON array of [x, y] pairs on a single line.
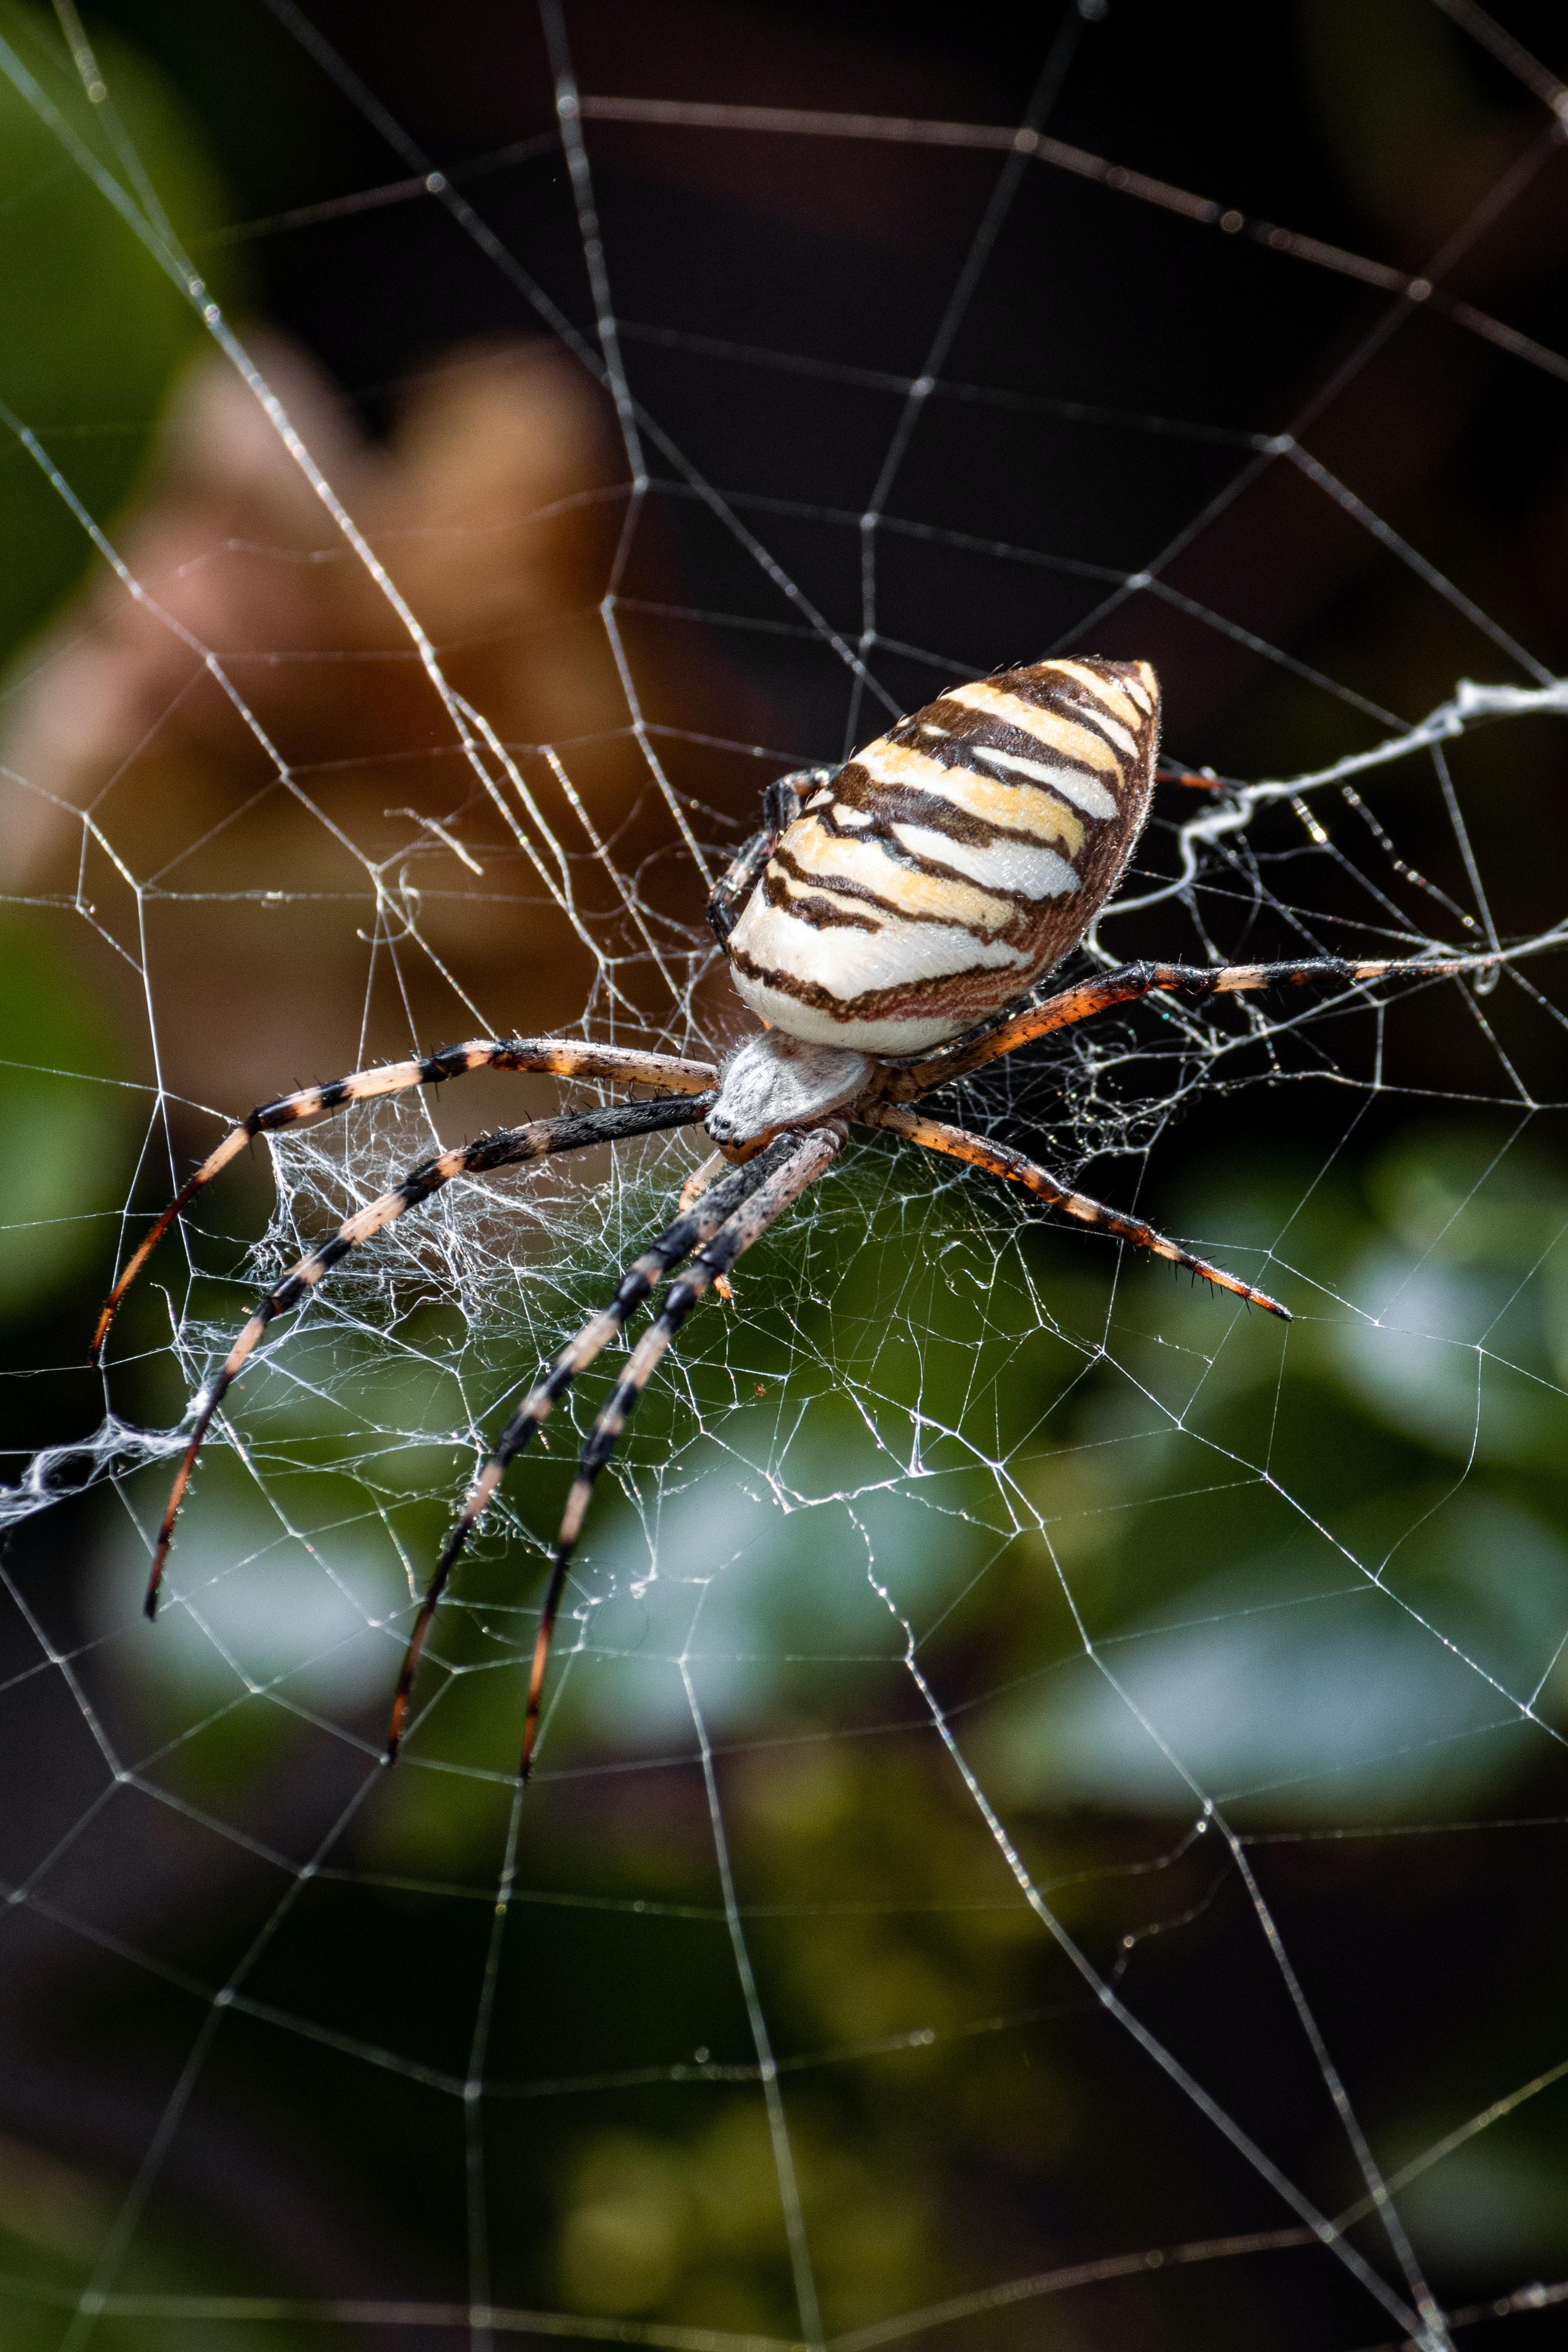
[[936, 875]]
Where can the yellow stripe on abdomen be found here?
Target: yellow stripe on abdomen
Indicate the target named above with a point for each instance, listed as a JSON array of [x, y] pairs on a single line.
[[900, 889], [1073, 741]]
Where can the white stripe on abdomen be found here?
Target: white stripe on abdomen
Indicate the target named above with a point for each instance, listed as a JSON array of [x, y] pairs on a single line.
[[1005, 864], [848, 961], [1082, 791]]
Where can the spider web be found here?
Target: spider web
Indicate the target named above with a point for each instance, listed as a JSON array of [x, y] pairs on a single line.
[[1014, 1721]]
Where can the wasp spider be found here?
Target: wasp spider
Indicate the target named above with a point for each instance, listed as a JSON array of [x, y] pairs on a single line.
[[883, 925]]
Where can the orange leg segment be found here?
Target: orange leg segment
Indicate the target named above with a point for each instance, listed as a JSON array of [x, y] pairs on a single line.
[[1135, 979], [998, 1160]]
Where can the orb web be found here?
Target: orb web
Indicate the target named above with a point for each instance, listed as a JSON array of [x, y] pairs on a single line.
[[855, 1644]]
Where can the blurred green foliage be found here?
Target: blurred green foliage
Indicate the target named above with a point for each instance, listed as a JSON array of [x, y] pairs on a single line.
[[66, 1114], [92, 330], [55, 2218], [1303, 1555]]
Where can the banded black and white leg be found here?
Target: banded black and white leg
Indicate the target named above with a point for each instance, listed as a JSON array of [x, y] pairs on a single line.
[[735, 1214], [782, 802], [813, 1153], [509, 1148], [1131, 981], [563, 1058], [696, 1226], [999, 1160]]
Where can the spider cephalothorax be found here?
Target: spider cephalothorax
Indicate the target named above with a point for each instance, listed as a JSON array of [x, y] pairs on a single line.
[[887, 924]]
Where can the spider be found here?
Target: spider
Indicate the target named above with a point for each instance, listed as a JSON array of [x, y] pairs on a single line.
[[886, 925]]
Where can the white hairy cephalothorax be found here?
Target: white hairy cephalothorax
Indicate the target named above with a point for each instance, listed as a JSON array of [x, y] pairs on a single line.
[[776, 1081]]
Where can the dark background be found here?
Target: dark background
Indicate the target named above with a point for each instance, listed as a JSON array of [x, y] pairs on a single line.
[[1030, 2136]]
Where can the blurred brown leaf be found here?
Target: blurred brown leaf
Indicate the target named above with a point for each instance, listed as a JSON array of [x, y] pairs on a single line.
[[249, 883]]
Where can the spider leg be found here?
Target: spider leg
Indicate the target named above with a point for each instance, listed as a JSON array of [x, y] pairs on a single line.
[[735, 884], [935, 1134], [695, 1225], [781, 806], [701, 1178], [813, 1154], [696, 1185], [1135, 979], [788, 1165], [508, 1147], [561, 1056]]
